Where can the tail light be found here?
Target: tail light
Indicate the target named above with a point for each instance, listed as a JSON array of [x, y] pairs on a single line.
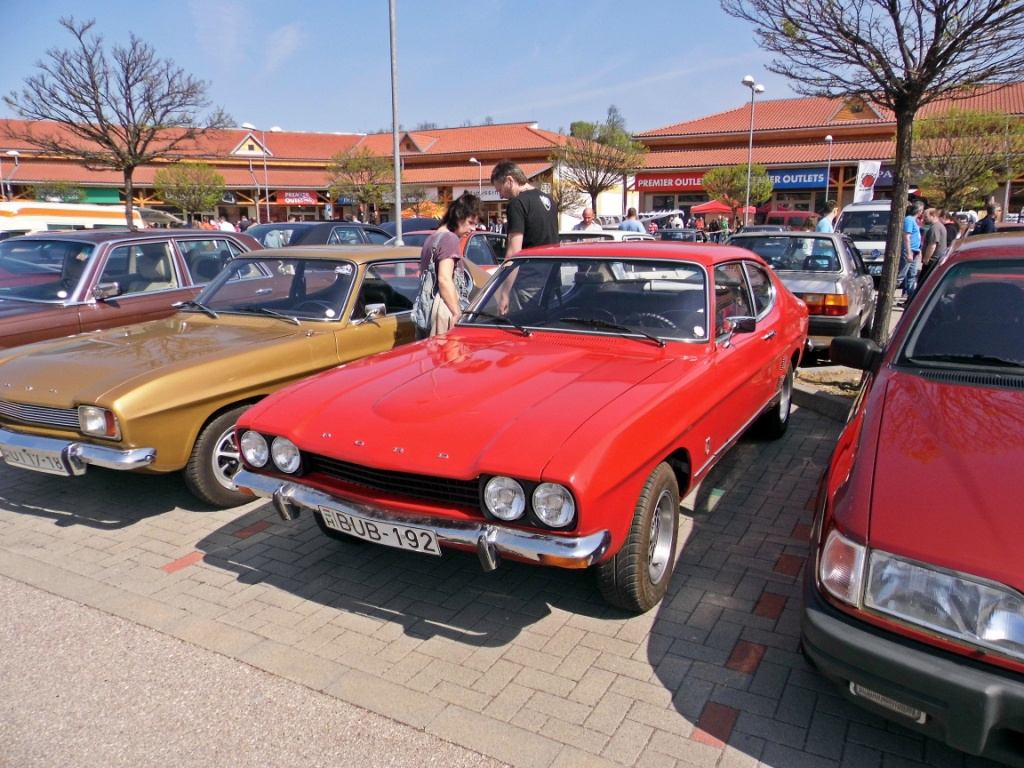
[[832, 304]]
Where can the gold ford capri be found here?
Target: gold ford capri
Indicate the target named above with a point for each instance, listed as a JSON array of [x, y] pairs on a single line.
[[164, 396]]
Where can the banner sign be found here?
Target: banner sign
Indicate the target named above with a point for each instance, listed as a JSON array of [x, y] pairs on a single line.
[[293, 197], [798, 178], [487, 192], [867, 176], [669, 182]]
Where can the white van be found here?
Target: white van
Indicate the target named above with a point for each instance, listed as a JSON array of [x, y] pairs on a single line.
[[22, 218], [866, 224]]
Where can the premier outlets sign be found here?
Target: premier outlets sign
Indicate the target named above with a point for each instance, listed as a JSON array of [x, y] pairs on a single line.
[[669, 182], [798, 178]]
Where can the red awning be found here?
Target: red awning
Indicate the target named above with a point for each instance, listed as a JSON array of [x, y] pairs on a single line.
[[714, 206]]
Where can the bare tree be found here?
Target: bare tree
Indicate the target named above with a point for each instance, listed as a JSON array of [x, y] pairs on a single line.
[[961, 155], [900, 54], [111, 114], [597, 156], [567, 197]]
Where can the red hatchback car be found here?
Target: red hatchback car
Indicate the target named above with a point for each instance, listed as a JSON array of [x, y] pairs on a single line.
[[913, 591], [586, 389]]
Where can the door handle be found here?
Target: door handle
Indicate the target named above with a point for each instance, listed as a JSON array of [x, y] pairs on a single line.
[[769, 335]]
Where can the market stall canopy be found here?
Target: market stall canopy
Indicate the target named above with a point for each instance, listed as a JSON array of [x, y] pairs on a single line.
[[714, 206], [153, 216]]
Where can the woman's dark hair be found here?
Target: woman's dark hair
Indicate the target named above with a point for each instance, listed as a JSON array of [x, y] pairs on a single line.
[[466, 206]]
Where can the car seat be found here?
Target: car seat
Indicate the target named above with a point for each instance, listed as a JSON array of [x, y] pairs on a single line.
[[154, 272]]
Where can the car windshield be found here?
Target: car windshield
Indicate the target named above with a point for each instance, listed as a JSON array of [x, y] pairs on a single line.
[[42, 270], [975, 316], [793, 254], [292, 288], [863, 223], [666, 299]]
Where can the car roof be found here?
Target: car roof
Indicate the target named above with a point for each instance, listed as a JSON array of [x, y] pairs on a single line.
[[707, 254], [357, 253], [107, 235], [998, 245], [790, 233]]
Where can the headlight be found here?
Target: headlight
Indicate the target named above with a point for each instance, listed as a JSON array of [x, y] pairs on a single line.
[[255, 449], [974, 611], [505, 498], [841, 568], [286, 455], [554, 505], [99, 422]]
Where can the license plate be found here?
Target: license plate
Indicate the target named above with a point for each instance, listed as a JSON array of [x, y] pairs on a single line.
[[389, 534], [39, 461], [874, 269]]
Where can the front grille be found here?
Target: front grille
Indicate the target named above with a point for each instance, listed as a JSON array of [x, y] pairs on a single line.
[[40, 415], [463, 493]]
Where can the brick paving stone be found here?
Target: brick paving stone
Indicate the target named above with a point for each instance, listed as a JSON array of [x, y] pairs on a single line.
[[745, 701], [575, 735], [608, 714], [780, 754], [771, 730], [592, 686], [686, 751], [508, 702]]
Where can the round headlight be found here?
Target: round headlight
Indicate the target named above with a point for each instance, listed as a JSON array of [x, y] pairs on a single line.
[[505, 498], [554, 505], [254, 449], [286, 455]]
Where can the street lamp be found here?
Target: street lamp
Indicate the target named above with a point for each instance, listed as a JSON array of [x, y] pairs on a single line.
[[828, 171], [266, 179], [480, 177], [754, 90], [10, 153]]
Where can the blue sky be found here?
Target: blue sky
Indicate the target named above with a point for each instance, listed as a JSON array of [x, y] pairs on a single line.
[[325, 66]]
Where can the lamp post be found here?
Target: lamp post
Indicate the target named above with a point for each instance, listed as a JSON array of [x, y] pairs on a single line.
[[266, 180], [828, 170], [754, 90], [479, 176], [3, 181]]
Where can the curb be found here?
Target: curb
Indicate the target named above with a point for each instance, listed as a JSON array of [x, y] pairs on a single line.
[[833, 406]]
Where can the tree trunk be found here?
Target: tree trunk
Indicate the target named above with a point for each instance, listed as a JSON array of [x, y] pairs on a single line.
[[894, 235], [129, 197]]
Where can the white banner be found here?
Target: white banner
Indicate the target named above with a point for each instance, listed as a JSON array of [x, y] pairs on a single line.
[[867, 175]]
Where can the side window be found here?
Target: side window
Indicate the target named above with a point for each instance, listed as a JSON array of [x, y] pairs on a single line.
[[762, 288], [344, 236], [377, 238], [141, 268], [206, 258], [731, 298], [393, 284], [478, 250]]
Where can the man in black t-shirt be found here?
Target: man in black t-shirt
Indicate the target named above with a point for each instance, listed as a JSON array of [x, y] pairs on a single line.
[[532, 220]]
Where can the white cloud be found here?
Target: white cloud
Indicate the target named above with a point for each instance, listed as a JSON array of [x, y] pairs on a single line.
[[282, 43]]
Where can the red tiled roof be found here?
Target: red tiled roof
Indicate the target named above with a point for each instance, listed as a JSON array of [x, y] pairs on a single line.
[[793, 154], [791, 114]]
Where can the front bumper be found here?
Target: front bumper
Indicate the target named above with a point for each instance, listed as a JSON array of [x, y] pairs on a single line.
[[970, 705], [68, 457], [490, 540]]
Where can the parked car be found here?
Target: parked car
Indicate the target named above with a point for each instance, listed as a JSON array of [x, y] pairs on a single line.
[[791, 219], [562, 433], [682, 235], [607, 235], [866, 224], [765, 228], [483, 248], [164, 396], [913, 599], [413, 224], [283, 234], [825, 270], [56, 284]]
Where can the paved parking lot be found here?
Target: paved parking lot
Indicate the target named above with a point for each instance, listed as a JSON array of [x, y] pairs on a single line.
[[525, 666]]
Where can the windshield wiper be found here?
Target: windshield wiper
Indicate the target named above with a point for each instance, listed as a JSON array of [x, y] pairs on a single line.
[[201, 307], [270, 312], [595, 323], [979, 359], [500, 319]]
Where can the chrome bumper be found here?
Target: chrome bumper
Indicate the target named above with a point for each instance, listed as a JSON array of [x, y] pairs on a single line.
[[490, 540], [63, 457]]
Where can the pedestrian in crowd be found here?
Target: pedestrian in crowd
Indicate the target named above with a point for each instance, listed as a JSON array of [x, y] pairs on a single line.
[[444, 281], [952, 227], [587, 224], [292, 217], [532, 220], [723, 229], [987, 224], [910, 250], [244, 223], [827, 221], [631, 223], [226, 226], [713, 228], [934, 241], [652, 227], [675, 222]]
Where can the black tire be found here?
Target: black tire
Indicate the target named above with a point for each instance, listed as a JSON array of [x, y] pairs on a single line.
[[637, 577], [214, 460], [773, 423]]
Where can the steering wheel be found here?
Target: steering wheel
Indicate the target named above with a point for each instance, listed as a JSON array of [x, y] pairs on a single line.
[[654, 320], [313, 307]]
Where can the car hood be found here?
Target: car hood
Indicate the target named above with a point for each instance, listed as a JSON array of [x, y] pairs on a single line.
[[947, 476], [84, 368], [462, 406]]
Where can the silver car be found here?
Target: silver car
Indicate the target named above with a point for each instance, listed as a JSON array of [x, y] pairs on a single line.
[[824, 269]]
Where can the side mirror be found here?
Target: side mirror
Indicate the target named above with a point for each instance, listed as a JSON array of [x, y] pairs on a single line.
[[744, 324], [862, 354], [106, 291], [373, 311]]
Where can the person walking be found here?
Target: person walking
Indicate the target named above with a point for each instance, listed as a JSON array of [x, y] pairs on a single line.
[[444, 281], [827, 221], [532, 220], [587, 224], [631, 223]]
